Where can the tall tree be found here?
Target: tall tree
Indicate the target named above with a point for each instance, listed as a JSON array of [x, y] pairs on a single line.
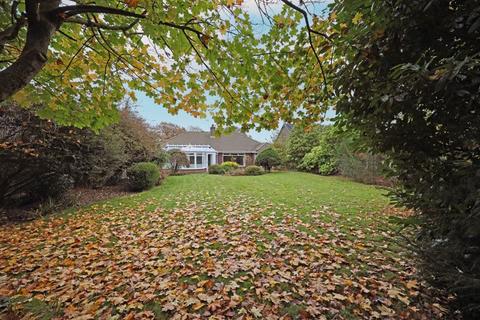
[[79, 58]]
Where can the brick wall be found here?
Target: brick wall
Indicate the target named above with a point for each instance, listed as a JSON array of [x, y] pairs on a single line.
[[249, 159]]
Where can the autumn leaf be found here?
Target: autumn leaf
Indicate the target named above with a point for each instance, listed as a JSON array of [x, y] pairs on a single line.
[[132, 3], [357, 18]]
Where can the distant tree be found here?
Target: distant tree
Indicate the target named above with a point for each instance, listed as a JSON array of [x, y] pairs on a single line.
[[167, 130], [140, 139], [177, 159], [268, 159], [300, 142], [195, 129]]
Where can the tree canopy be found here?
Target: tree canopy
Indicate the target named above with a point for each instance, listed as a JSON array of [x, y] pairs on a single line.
[[248, 65]]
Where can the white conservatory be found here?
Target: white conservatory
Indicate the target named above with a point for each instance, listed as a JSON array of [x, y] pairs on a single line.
[[200, 156]]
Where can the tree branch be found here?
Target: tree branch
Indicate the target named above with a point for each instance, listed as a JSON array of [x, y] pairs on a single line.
[[11, 32], [182, 27], [33, 58], [92, 24], [70, 11], [310, 40]]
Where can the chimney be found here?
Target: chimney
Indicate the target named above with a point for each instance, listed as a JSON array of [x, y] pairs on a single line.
[[212, 130]]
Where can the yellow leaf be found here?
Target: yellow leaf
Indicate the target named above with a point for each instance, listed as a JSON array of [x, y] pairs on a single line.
[[333, 16], [357, 18]]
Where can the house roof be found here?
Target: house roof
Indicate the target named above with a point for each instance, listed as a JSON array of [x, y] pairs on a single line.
[[233, 142], [284, 132]]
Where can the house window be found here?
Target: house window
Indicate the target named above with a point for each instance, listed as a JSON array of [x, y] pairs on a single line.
[[191, 158], [199, 159], [234, 157]]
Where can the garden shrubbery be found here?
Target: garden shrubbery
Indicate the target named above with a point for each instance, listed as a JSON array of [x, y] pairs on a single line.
[[321, 158], [254, 171], [420, 109], [268, 159], [143, 176], [216, 169], [229, 166], [328, 150], [40, 160], [235, 170]]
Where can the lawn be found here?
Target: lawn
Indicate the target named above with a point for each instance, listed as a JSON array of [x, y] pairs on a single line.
[[282, 245]]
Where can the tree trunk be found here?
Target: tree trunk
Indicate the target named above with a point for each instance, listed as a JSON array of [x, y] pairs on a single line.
[[41, 28]]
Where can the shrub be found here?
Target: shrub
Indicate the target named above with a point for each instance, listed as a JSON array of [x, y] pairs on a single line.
[[321, 159], [216, 169], [268, 159], [34, 157], [254, 171], [236, 172], [281, 149], [143, 176], [229, 165]]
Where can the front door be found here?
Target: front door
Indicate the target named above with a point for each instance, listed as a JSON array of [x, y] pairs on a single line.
[[209, 159]]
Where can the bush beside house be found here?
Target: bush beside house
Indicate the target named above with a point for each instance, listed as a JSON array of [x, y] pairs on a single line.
[[233, 170], [254, 171], [143, 176], [322, 158], [216, 169], [229, 166], [300, 142], [268, 159]]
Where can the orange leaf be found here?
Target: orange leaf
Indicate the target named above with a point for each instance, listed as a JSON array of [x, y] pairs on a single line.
[[131, 3]]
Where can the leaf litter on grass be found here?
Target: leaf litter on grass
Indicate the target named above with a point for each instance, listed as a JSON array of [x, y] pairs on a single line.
[[238, 257]]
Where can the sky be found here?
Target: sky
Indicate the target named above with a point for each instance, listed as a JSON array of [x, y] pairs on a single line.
[[154, 113]]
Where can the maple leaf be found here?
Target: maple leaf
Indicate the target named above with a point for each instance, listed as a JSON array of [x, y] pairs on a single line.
[[411, 284]]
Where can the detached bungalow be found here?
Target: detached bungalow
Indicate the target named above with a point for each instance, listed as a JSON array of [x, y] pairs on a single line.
[[204, 149]]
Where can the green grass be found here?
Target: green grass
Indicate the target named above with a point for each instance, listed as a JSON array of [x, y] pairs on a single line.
[[301, 191], [281, 244]]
